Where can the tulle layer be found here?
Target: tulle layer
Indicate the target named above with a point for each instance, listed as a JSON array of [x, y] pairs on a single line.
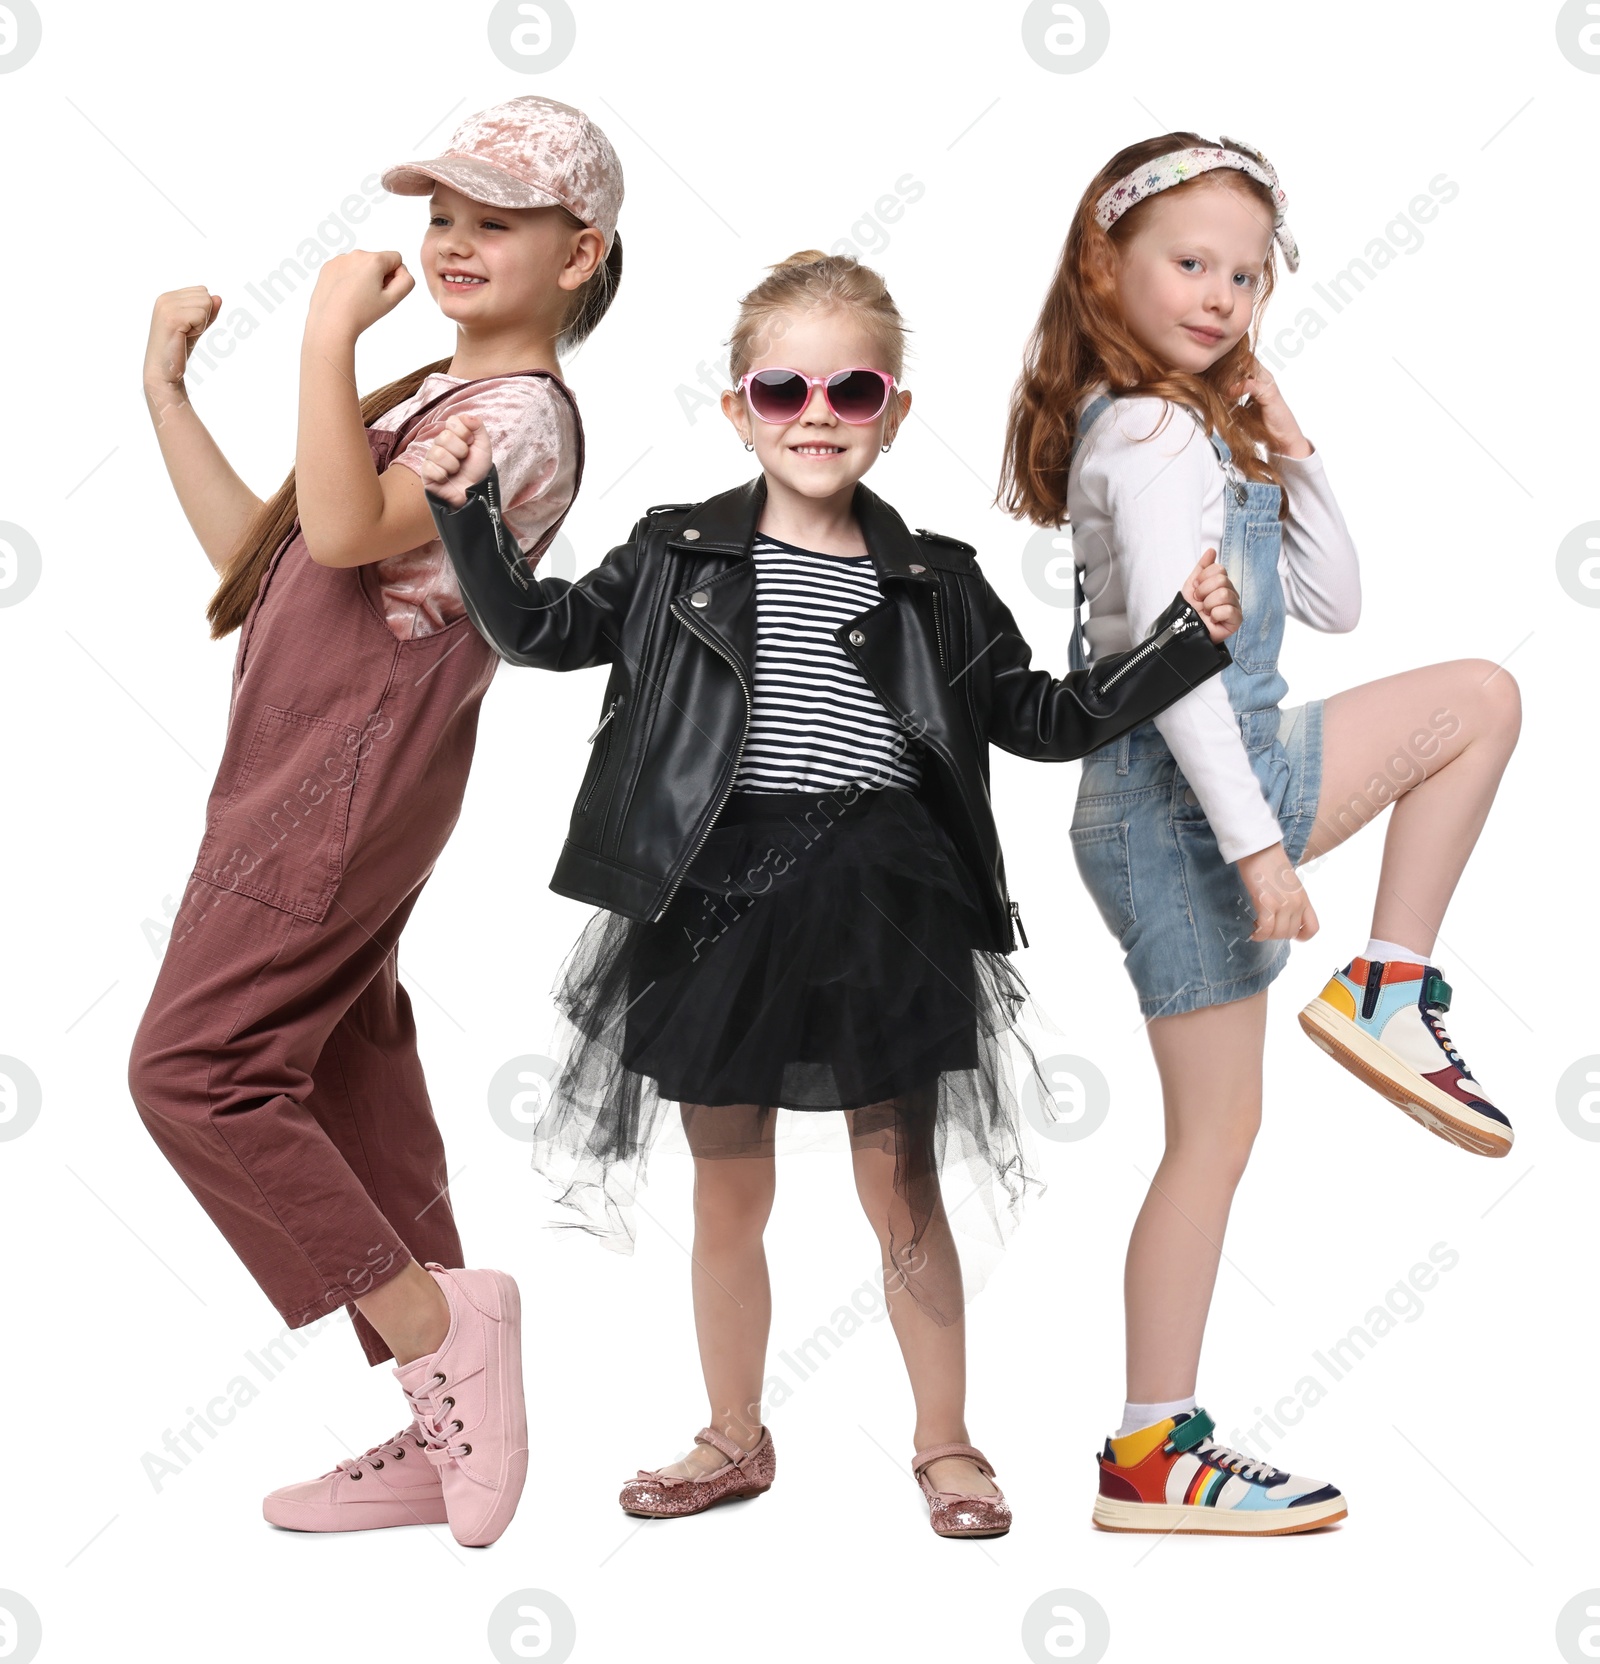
[[816, 956]]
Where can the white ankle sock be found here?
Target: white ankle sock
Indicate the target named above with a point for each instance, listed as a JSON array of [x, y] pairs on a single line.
[[1135, 1416], [1385, 951]]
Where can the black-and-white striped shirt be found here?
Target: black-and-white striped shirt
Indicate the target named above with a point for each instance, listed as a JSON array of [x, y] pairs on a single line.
[[816, 724]]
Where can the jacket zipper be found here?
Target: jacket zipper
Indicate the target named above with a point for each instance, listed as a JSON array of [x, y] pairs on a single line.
[[748, 707], [1016, 913], [938, 633], [588, 796], [1184, 621], [490, 495], [644, 676], [610, 712]]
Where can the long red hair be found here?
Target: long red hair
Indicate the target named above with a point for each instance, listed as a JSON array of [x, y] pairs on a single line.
[[1081, 338]]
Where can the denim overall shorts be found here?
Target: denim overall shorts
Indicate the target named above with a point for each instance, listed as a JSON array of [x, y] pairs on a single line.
[[1141, 841]]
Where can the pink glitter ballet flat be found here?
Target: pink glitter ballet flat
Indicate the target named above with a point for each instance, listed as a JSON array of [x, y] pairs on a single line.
[[656, 1495], [959, 1513]]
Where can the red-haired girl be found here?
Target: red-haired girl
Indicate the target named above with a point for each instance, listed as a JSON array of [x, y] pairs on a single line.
[[1144, 419]]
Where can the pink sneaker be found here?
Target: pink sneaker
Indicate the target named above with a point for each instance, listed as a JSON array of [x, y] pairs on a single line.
[[467, 1398], [391, 1484]]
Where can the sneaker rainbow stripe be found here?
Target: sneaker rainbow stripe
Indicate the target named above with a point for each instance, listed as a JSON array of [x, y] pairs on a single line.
[[1173, 1476]]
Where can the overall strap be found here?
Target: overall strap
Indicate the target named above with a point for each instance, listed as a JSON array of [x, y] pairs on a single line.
[[1077, 642], [577, 422], [549, 537], [1218, 443]]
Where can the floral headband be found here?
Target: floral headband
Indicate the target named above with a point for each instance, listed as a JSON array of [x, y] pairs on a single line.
[[1178, 165]]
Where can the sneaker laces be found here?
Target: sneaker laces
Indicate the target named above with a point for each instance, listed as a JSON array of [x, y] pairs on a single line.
[[434, 1420], [1433, 1015], [1235, 1461], [394, 1448]]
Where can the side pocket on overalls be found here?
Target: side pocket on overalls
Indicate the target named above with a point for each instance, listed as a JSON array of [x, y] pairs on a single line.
[[280, 835]]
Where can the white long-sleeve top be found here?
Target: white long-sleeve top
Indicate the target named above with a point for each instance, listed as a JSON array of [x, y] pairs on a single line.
[[1142, 509]]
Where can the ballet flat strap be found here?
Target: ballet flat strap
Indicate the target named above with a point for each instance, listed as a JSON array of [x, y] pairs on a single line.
[[935, 1451]]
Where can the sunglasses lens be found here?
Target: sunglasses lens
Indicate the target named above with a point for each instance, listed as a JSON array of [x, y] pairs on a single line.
[[777, 395], [856, 395]]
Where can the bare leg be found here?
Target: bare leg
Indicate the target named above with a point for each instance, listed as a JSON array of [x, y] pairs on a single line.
[[935, 1352], [1434, 742], [1210, 1067], [409, 1311], [735, 1180]]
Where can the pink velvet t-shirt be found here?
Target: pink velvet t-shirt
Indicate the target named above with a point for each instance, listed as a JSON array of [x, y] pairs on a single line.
[[535, 443]]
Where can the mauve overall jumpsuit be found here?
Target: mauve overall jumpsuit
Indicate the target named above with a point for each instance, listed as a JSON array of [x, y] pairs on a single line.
[[276, 1064]]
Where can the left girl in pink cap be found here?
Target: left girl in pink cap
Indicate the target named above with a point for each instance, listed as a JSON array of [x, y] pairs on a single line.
[[276, 1064]]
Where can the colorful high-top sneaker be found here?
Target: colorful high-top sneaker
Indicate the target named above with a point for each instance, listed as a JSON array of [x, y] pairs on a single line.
[[1385, 1023], [1174, 1476]]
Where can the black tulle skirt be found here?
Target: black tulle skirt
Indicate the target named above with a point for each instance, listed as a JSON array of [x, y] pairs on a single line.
[[818, 954]]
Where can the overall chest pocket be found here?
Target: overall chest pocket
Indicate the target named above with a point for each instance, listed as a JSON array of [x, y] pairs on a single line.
[[279, 836], [1258, 640]]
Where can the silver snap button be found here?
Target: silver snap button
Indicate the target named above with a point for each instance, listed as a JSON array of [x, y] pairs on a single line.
[[856, 638], [1189, 797], [918, 569], [699, 598], [690, 535]]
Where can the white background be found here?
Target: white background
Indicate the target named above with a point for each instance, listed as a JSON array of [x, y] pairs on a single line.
[[148, 148]]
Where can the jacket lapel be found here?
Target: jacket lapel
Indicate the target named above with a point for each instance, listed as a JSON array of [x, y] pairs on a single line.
[[726, 524]]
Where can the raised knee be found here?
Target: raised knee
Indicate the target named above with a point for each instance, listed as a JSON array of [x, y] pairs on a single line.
[[1496, 692], [146, 1077], [157, 1078], [1506, 697]]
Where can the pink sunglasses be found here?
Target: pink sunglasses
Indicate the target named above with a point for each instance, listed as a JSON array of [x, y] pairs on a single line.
[[780, 396]]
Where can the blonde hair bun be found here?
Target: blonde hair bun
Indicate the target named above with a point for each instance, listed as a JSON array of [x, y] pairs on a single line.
[[810, 279]]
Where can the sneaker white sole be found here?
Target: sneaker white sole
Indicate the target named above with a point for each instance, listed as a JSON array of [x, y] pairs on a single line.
[[1110, 1514], [1402, 1086]]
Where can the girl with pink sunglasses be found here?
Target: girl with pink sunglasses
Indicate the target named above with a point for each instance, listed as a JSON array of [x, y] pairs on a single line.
[[785, 824]]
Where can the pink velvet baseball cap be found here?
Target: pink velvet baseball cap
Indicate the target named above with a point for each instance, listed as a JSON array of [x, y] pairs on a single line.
[[529, 152]]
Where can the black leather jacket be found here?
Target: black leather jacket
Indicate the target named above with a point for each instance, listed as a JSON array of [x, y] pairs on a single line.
[[673, 612]]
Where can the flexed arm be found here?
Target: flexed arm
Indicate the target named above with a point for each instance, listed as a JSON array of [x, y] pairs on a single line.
[[217, 503]]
